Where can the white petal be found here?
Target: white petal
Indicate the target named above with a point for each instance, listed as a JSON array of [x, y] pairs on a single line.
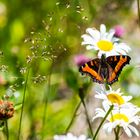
[[102, 28], [106, 106], [123, 46], [119, 50], [97, 116], [56, 137], [82, 137], [127, 131], [126, 47], [100, 96], [100, 53], [134, 130], [108, 127], [99, 113], [127, 98], [135, 119], [118, 90], [111, 53], [127, 105], [115, 39], [89, 47], [87, 39], [110, 35], [104, 36], [95, 34]]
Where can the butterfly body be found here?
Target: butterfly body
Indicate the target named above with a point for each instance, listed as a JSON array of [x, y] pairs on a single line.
[[105, 69]]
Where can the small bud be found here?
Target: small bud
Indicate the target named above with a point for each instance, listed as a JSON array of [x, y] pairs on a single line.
[[119, 31], [80, 59], [81, 93]]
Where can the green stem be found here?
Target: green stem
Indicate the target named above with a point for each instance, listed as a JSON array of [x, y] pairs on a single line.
[[46, 98], [117, 131], [73, 117], [97, 131], [82, 96], [138, 8], [23, 101], [107, 86], [7, 130], [87, 116]]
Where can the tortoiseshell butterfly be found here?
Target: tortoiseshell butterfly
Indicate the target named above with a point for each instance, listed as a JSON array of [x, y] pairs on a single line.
[[105, 70]]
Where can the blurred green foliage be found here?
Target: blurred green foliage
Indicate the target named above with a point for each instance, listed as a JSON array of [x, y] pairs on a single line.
[[45, 36]]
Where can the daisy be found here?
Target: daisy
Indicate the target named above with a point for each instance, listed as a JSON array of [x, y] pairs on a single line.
[[119, 117], [114, 97], [70, 136], [104, 42]]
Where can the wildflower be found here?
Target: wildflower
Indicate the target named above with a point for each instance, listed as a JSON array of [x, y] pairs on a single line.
[[114, 97], [80, 59], [122, 117], [119, 31], [6, 109], [104, 42], [70, 136]]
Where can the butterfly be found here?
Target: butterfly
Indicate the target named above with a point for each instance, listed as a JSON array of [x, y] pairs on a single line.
[[105, 70]]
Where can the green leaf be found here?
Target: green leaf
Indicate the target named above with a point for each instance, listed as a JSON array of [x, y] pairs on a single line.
[[71, 79], [18, 106]]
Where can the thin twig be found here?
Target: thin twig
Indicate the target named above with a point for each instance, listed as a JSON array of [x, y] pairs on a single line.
[[73, 117], [23, 101]]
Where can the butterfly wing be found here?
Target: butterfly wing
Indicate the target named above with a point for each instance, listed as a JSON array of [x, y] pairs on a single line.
[[92, 68], [116, 64]]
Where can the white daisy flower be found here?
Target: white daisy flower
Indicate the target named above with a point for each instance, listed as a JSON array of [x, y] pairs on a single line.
[[114, 97], [70, 136], [120, 117], [104, 42]]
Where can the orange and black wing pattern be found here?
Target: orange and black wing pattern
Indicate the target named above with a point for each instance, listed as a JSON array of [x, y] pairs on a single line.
[[116, 65], [92, 68]]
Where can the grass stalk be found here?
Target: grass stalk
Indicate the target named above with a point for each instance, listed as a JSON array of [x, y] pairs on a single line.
[[73, 117], [23, 102]]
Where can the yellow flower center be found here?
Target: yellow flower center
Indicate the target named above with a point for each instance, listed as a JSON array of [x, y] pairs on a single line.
[[105, 45], [115, 98], [119, 116]]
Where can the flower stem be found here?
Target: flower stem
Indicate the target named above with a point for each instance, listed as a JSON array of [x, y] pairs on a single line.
[[107, 86], [88, 120], [97, 131], [7, 130], [23, 101], [117, 131], [138, 8], [74, 115], [82, 96]]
